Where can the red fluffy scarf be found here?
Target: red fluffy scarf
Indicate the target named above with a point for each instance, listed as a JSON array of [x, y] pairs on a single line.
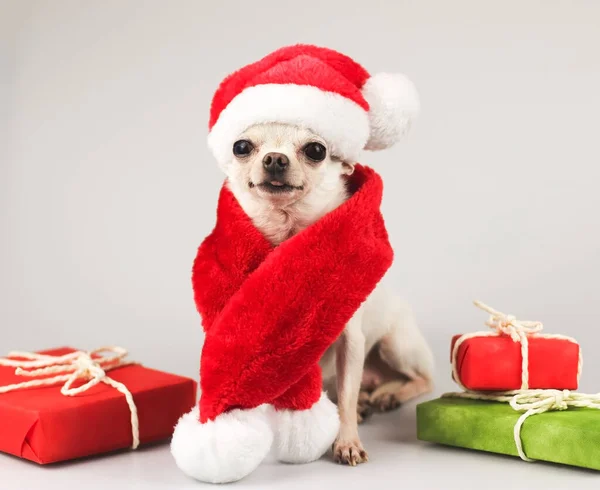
[[270, 313]]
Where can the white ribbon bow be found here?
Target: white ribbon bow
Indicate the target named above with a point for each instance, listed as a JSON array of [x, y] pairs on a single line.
[[69, 368], [540, 401], [534, 402], [508, 324]]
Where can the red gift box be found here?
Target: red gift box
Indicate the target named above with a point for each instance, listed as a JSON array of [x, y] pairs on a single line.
[[494, 363], [45, 426]]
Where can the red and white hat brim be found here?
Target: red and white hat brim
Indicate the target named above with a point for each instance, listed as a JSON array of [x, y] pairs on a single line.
[[337, 119]]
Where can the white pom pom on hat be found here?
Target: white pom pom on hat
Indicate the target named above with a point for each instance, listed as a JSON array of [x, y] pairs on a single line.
[[393, 105], [319, 89]]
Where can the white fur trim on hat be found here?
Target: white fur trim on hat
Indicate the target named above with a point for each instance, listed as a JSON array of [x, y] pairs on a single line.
[[302, 436], [394, 104], [225, 449], [339, 120]]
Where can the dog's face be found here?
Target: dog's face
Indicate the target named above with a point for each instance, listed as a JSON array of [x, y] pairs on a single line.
[[283, 164]]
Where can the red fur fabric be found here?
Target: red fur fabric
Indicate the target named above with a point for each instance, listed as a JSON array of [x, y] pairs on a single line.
[[271, 312]]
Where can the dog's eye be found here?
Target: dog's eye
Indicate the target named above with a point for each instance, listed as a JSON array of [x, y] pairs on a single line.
[[315, 151], [242, 148]]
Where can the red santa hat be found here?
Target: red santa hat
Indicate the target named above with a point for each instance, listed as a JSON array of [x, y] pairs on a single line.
[[319, 89]]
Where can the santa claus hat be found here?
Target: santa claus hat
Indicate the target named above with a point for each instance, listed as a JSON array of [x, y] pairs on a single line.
[[319, 89]]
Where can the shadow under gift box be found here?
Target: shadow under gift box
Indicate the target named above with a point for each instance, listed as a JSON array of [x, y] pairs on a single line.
[[42, 425], [495, 363], [569, 437]]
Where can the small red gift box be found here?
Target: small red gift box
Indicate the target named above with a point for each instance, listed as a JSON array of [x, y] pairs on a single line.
[[514, 356], [43, 425], [494, 363]]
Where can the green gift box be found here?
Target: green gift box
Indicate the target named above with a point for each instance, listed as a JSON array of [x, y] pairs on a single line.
[[569, 437]]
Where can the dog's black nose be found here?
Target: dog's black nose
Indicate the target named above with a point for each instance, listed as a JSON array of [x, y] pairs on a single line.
[[275, 163]]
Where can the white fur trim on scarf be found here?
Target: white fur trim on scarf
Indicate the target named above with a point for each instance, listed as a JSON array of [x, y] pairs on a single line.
[[341, 122], [394, 104], [225, 449], [302, 436]]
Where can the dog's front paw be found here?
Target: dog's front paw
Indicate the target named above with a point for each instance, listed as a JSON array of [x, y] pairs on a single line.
[[349, 452]]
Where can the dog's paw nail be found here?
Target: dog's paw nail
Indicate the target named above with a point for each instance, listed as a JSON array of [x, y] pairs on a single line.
[[363, 410], [364, 397], [350, 453], [386, 402]]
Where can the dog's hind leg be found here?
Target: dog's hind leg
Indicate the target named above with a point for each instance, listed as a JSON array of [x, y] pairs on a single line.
[[404, 360]]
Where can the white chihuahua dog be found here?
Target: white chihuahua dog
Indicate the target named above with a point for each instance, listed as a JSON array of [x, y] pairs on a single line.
[[285, 179]]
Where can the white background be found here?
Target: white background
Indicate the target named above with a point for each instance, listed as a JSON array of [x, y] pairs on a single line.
[[107, 186]]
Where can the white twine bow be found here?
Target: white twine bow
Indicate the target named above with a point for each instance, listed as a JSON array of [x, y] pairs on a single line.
[[69, 368], [533, 402], [500, 322], [518, 330]]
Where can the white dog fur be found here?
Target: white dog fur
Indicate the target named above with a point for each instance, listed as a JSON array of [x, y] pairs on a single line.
[[381, 360]]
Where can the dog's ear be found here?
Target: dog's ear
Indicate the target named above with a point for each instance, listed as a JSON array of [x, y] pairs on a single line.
[[347, 168]]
